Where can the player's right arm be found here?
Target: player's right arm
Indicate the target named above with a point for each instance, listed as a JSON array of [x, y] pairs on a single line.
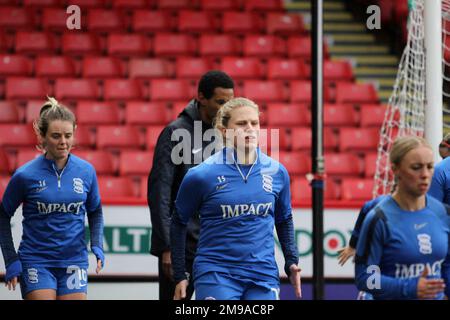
[[12, 198], [187, 203]]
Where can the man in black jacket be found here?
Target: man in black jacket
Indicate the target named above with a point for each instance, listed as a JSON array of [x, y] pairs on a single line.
[[214, 89]]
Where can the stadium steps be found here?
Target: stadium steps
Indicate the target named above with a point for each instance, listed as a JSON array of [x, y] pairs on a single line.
[[348, 38]]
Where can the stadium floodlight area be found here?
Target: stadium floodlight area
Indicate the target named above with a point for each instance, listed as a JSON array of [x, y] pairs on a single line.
[[415, 105]]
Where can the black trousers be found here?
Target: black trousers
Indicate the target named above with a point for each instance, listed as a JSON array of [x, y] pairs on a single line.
[[167, 286]]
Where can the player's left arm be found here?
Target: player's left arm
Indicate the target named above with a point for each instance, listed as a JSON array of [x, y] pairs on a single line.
[[95, 221], [284, 225]]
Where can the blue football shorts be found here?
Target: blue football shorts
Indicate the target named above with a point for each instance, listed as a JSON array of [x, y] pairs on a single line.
[[223, 286], [72, 279]]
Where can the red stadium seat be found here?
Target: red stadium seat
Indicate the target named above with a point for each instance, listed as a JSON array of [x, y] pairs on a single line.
[[172, 44], [55, 66], [76, 43], [240, 22], [170, 90], [285, 114], [15, 65], [136, 163], [26, 88], [337, 71], [296, 163], [121, 89], [103, 161], [147, 68], [343, 164], [301, 91], [118, 137], [221, 6], [5, 166], [190, 21], [26, 155], [84, 137], [102, 67], [9, 112], [41, 3], [264, 91], [301, 138], [357, 189], [339, 115], [17, 135], [4, 43], [113, 188], [356, 93], [263, 5], [147, 113], [192, 67], [98, 113], [32, 109], [86, 3], [218, 45], [31, 42], [263, 46], [75, 89], [284, 24], [300, 47], [175, 4], [14, 18], [152, 21], [301, 190], [242, 67], [370, 164], [273, 139], [359, 139], [152, 135], [55, 19], [102, 20], [128, 45], [177, 108], [129, 4], [372, 115], [286, 69]]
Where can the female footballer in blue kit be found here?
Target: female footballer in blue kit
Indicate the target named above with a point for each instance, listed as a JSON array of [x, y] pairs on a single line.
[[240, 194], [403, 248], [56, 189]]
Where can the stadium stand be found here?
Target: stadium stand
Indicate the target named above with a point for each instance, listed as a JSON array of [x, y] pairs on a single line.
[[134, 65]]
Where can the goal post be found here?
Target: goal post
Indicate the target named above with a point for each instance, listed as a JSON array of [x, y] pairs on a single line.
[[415, 105]]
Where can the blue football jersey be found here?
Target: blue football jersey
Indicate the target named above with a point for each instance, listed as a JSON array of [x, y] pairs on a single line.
[[395, 247], [440, 184], [54, 208], [238, 207]]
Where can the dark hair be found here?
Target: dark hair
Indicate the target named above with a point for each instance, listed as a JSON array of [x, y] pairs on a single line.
[[51, 110], [214, 79]]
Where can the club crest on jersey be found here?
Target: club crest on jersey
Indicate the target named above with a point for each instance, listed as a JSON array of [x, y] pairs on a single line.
[[424, 243], [78, 185], [267, 182]]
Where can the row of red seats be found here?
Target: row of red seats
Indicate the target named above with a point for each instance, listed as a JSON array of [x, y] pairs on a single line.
[[160, 45], [160, 113], [348, 189], [150, 21], [218, 5], [123, 139], [99, 67], [346, 139], [122, 187], [22, 88]]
